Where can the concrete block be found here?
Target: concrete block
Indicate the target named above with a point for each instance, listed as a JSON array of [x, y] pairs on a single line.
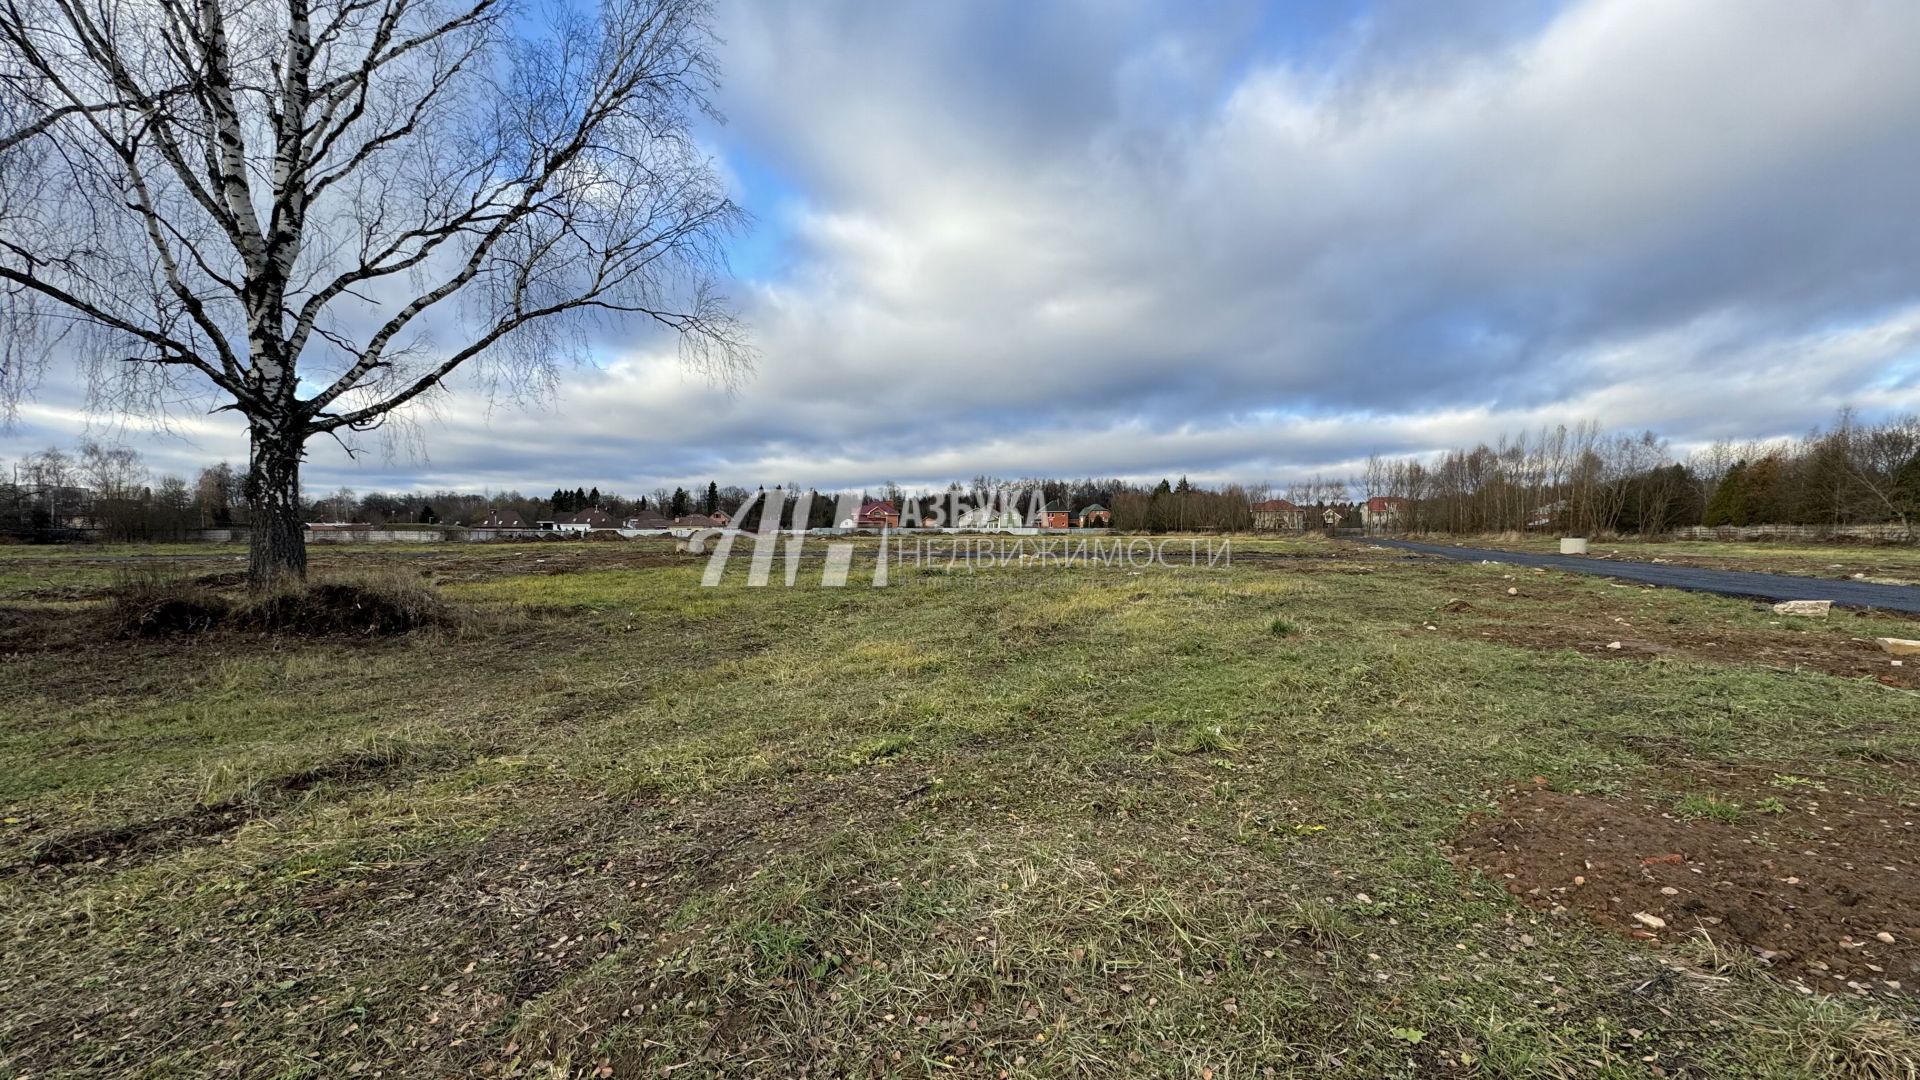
[[1815, 608]]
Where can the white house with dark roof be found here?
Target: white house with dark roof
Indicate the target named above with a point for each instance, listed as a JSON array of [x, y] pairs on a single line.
[[585, 521], [502, 518]]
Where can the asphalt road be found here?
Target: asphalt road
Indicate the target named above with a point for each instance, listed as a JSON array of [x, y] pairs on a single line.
[[1774, 587]]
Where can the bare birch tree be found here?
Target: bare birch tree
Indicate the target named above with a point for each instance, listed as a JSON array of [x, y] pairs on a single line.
[[312, 212]]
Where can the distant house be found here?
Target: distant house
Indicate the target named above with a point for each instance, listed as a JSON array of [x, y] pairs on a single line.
[[585, 521], [874, 514], [647, 519], [721, 518], [1095, 516], [502, 518], [696, 521], [1278, 515], [1055, 515], [1382, 512]]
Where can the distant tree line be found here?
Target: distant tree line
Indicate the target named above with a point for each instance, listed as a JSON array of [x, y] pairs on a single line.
[[1572, 480], [109, 493], [1583, 480], [1182, 507]]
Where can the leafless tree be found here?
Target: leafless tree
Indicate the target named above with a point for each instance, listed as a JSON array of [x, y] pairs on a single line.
[[313, 211], [1873, 456], [215, 491], [115, 479], [1710, 465], [49, 480]]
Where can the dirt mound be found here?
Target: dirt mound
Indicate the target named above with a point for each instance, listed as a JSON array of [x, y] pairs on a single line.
[[368, 608], [1815, 881], [357, 609], [146, 609]]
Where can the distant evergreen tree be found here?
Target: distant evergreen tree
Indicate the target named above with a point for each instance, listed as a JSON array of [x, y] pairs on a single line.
[[712, 502], [750, 520], [593, 497], [579, 498], [1906, 489], [427, 516], [1729, 503], [1765, 486], [680, 502]]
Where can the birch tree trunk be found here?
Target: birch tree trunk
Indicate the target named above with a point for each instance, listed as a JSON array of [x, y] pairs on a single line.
[[276, 544]]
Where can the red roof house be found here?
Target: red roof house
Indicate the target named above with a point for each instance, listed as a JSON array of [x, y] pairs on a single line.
[[1382, 511], [877, 514], [1278, 514]]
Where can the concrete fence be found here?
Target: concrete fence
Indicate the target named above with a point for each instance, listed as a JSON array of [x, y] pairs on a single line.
[[1795, 532], [379, 536]]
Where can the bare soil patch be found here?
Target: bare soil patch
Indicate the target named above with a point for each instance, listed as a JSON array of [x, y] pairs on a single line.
[[1846, 657], [1609, 629], [478, 563], [1817, 884]]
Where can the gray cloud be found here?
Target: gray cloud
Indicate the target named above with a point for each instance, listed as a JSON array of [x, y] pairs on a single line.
[[1093, 239]]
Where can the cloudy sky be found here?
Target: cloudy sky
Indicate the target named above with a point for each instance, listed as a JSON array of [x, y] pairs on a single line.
[[1243, 242]]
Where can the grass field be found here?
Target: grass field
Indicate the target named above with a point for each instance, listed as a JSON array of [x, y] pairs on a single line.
[[1043, 821], [1898, 563]]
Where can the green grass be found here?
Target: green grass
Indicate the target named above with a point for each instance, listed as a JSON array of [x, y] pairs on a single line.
[[1896, 562], [1694, 805], [1056, 822]]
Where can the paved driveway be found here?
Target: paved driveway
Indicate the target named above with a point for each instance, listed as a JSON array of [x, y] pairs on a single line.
[[1773, 587]]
